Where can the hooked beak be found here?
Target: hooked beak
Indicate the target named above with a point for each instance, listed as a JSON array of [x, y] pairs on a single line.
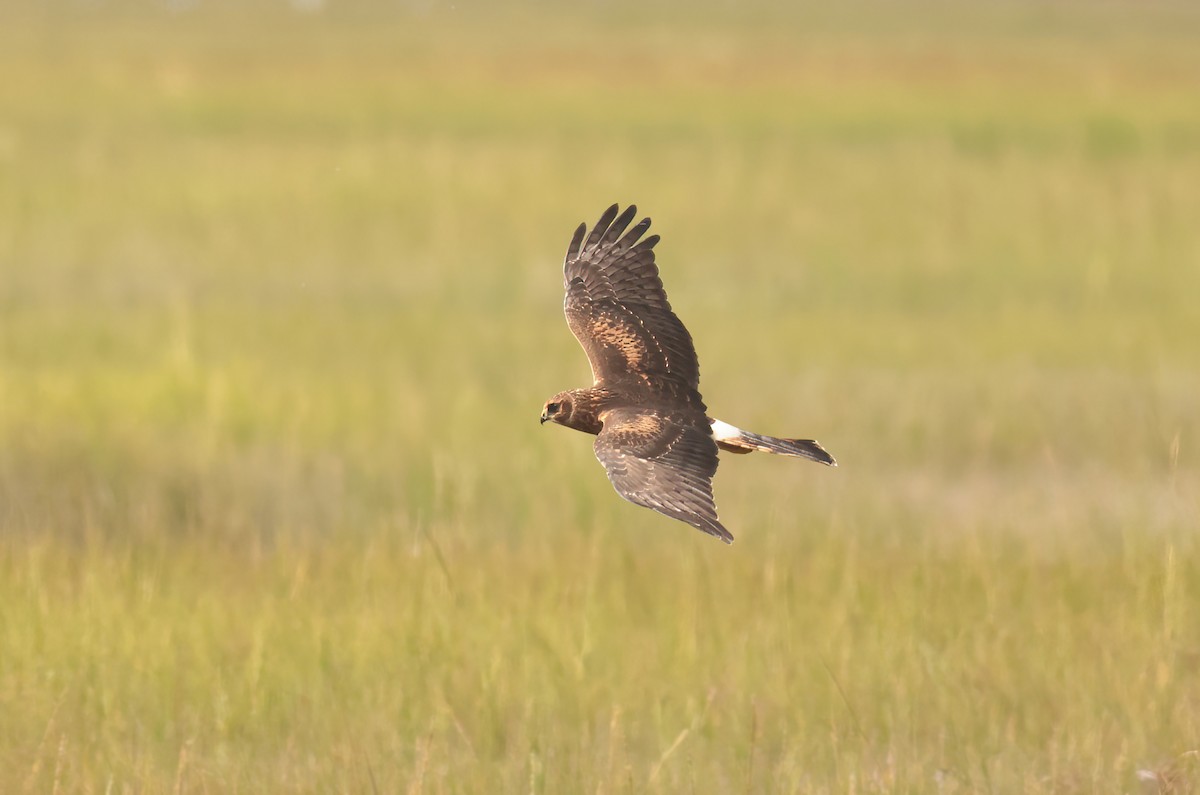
[[545, 417]]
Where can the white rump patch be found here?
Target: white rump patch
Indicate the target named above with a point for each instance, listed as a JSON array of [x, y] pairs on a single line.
[[723, 430]]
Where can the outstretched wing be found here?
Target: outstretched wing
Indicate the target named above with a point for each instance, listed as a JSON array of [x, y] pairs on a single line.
[[617, 309], [662, 462]]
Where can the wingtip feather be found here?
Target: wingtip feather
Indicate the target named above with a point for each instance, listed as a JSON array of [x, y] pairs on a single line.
[[649, 242], [576, 242], [601, 226], [619, 226], [713, 527]]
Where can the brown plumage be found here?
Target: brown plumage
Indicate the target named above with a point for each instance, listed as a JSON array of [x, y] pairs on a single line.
[[653, 433]]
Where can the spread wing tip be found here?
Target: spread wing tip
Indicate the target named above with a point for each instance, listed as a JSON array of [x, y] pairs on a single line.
[[608, 229]]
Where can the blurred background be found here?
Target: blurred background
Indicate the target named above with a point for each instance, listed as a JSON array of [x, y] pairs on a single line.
[[280, 301]]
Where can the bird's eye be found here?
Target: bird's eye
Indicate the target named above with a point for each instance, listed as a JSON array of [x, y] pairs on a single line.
[[552, 408]]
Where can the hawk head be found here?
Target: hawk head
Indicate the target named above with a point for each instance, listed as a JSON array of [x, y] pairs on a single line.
[[558, 409]]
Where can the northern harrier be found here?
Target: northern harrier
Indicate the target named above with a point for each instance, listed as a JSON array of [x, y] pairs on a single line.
[[653, 433]]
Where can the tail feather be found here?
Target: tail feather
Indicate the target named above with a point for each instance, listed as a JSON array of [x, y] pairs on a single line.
[[738, 441]]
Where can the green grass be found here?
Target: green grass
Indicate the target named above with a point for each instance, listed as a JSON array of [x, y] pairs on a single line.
[[279, 304]]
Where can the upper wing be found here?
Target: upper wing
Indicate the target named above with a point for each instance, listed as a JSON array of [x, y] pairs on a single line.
[[617, 309], [662, 463]]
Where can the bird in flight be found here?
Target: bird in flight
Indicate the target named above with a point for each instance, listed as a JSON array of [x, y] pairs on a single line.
[[653, 433]]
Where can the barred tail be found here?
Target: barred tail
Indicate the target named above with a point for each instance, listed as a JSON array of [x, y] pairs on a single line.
[[735, 440]]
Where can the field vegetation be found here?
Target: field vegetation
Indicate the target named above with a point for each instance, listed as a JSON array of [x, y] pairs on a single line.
[[280, 303]]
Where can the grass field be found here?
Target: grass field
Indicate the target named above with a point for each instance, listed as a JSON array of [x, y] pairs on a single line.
[[280, 303]]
